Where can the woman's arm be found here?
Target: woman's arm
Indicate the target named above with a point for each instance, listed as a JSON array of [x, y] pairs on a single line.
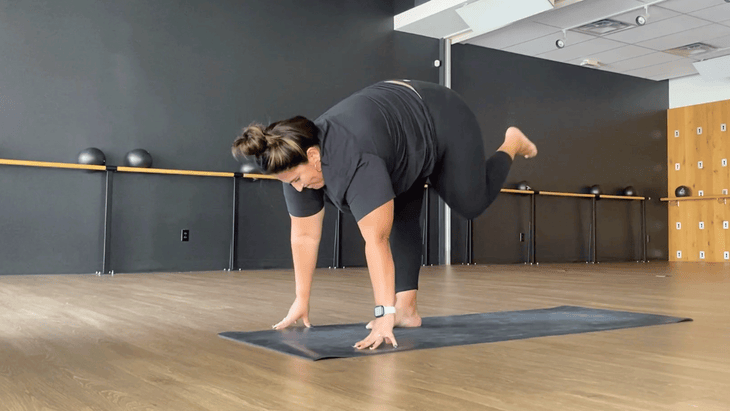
[[306, 233], [375, 228]]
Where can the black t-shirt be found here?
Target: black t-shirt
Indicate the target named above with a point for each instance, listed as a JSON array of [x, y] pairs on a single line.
[[374, 145]]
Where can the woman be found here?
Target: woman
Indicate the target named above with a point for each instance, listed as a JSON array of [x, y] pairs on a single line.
[[370, 155]]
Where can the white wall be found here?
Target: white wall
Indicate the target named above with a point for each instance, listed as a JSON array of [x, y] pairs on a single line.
[[693, 90]]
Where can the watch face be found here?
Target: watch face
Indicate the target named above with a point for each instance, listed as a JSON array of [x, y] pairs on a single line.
[[379, 311]]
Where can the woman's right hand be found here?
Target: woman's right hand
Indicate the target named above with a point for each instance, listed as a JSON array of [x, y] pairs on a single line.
[[299, 310]]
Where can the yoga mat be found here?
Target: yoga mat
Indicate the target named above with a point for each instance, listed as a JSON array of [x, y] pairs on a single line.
[[336, 341]]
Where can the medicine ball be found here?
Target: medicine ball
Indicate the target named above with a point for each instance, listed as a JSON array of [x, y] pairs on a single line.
[[92, 156], [138, 158], [522, 185], [682, 191], [629, 191]]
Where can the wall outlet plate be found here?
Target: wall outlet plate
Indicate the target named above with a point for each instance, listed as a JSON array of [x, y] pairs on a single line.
[[724, 191], [724, 162], [676, 166], [679, 226], [727, 255], [679, 254], [185, 235], [702, 225], [702, 255], [726, 225], [701, 193], [676, 133], [699, 131], [723, 127], [699, 164]]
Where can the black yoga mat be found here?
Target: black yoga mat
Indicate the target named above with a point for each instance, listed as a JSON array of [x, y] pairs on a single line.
[[336, 341]]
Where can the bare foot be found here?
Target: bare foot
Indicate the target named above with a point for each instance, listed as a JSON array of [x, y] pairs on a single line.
[[402, 321], [517, 144]]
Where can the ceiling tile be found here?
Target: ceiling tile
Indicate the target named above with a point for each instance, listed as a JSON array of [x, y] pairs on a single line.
[[586, 11], [656, 14], [547, 43], [615, 55], [687, 37], [717, 14], [642, 61], [708, 56], [521, 32], [688, 6], [671, 69], [653, 30], [579, 50]]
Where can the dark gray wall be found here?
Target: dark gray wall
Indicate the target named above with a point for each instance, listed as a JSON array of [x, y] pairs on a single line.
[[591, 127], [179, 78]]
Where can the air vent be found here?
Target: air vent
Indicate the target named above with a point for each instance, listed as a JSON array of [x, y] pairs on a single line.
[[591, 63], [563, 3], [603, 27], [691, 50]]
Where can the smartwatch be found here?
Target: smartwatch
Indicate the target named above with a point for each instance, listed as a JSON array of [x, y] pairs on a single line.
[[381, 311]]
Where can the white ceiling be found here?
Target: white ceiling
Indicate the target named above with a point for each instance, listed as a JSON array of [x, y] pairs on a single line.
[[637, 51]]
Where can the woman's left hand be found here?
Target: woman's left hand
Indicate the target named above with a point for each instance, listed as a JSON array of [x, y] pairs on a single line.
[[382, 331]]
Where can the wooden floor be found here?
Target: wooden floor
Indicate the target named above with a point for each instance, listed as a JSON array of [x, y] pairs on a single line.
[[149, 342]]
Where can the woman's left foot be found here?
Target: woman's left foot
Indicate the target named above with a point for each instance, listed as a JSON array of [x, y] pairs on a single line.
[[412, 321], [519, 142]]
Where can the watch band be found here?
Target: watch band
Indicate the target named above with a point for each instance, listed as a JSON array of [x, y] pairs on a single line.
[[383, 310]]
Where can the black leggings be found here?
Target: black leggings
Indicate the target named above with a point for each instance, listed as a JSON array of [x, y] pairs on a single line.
[[463, 177]]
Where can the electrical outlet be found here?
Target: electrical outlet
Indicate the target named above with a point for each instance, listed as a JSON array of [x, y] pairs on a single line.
[[727, 255], [185, 235], [679, 226], [723, 127], [724, 191], [676, 133], [679, 254], [699, 164], [724, 162], [702, 225], [702, 255], [701, 193], [676, 166], [699, 131], [522, 237], [725, 225]]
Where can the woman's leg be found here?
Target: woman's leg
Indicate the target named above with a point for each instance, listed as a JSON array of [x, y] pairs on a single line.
[[464, 178]]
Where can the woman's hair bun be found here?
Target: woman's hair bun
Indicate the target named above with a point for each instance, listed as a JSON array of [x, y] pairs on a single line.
[[252, 142]]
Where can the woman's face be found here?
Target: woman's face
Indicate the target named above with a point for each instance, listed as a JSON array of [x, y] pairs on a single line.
[[307, 175]]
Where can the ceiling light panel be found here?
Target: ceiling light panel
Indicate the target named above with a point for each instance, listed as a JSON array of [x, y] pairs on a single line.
[[580, 50], [517, 33], [687, 37], [585, 12], [642, 61], [547, 43], [688, 6], [717, 14], [615, 55], [659, 29]]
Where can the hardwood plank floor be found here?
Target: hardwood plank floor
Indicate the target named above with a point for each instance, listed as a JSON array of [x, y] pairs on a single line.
[[149, 342]]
